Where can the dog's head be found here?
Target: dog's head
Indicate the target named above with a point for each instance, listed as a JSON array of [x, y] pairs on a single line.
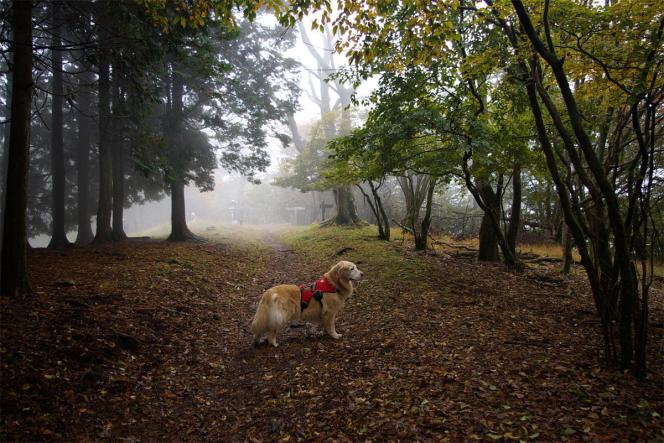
[[347, 271]]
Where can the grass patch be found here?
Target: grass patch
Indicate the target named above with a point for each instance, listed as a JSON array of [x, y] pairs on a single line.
[[216, 232], [385, 263], [658, 269]]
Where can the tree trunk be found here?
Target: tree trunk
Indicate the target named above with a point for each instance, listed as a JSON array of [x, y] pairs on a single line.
[[105, 204], [346, 211], [573, 216], [117, 140], [567, 249], [58, 232], [5, 147], [488, 249], [298, 141], [515, 211], [179, 229], [84, 235], [423, 235], [14, 276], [377, 209], [381, 211]]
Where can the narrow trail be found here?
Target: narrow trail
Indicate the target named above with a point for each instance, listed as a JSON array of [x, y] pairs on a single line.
[[266, 388]]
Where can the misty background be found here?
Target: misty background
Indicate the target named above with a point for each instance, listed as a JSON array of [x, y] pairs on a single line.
[[233, 198]]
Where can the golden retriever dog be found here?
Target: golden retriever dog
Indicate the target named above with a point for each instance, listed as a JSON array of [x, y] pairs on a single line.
[[283, 304]]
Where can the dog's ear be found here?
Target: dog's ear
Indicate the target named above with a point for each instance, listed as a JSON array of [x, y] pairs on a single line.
[[335, 270]]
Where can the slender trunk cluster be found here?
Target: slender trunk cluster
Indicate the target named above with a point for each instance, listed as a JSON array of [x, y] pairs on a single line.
[[609, 234], [490, 202], [377, 208], [418, 190]]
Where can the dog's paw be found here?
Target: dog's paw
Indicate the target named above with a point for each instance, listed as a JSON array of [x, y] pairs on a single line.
[[336, 336]]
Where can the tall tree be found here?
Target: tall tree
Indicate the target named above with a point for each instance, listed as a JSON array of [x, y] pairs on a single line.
[[177, 152], [234, 83], [83, 143], [105, 200], [14, 275], [118, 151], [328, 83], [58, 232], [5, 136]]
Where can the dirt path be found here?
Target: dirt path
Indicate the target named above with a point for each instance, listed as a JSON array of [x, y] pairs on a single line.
[[151, 342]]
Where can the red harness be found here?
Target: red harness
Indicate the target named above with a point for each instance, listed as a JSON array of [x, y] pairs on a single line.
[[315, 290]]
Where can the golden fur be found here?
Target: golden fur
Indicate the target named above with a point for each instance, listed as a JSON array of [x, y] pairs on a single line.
[[280, 305]]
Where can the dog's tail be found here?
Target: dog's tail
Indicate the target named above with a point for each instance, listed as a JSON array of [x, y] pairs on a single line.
[[266, 318]]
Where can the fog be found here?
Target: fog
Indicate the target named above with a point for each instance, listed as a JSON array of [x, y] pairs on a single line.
[[234, 199], [215, 191]]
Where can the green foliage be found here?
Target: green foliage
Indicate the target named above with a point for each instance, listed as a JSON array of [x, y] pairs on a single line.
[[236, 87]]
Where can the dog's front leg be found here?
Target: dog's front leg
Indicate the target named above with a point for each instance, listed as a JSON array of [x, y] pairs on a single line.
[[328, 323]]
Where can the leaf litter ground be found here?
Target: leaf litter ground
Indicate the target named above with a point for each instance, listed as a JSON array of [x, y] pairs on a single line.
[[149, 340]]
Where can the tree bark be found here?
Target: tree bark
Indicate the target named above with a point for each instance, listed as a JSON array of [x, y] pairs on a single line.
[[58, 231], [567, 249], [488, 249], [345, 203], [14, 276], [381, 210], [515, 210], [415, 188], [5, 147], [104, 205], [84, 235], [377, 209], [117, 140], [179, 229], [422, 236]]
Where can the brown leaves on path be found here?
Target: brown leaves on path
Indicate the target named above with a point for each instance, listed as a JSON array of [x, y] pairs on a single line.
[[150, 341]]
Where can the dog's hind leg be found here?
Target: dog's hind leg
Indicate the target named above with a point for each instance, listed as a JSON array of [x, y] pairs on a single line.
[[272, 338], [258, 339]]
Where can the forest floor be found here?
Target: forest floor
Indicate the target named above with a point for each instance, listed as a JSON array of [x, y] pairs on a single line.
[[150, 341]]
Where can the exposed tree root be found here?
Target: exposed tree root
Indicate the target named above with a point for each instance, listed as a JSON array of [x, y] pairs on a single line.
[[186, 236]]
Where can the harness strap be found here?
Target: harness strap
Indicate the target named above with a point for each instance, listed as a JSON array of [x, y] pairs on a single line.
[[312, 292]]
